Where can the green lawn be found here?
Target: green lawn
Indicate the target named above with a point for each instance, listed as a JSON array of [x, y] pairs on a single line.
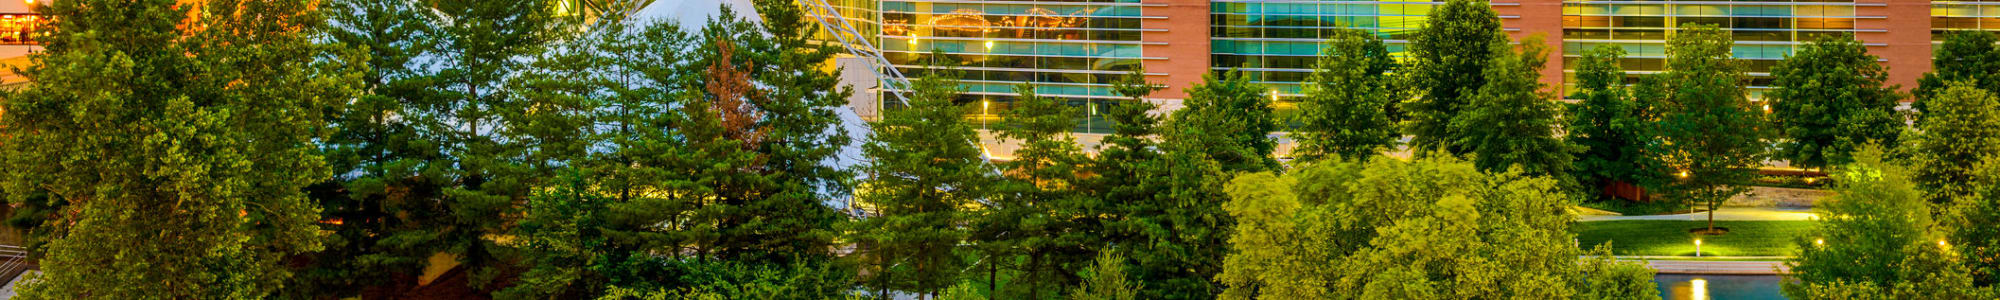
[[1671, 238]]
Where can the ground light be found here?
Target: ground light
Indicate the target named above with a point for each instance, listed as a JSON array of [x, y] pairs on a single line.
[[1697, 249]]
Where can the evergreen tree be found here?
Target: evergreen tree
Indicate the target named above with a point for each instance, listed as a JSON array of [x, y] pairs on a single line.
[[1229, 120], [1512, 121], [1107, 281], [180, 136], [789, 218], [1608, 123], [1346, 108], [1448, 62], [1169, 218], [1829, 99], [1040, 210], [458, 107], [1960, 130], [924, 170], [1965, 55], [1710, 133], [385, 170], [1877, 235]]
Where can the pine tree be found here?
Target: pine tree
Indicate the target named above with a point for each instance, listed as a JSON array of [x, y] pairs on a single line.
[[1107, 281], [1609, 124], [1346, 108], [1512, 121], [1040, 210], [1448, 58], [180, 135], [1829, 99], [1167, 203], [1229, 120], [383, 176], [1709, 131], [924, 170]]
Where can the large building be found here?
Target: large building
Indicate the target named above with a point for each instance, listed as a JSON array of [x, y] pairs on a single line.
[[1073, 49]]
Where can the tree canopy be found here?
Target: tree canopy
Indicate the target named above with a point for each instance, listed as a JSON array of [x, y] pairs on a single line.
[[1828, 99]]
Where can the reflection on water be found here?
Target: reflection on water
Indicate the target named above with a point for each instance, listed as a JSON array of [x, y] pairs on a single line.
[[1703, 287]]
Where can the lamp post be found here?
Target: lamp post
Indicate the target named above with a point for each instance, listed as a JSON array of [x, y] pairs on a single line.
[[985, 114], [1697, 247]]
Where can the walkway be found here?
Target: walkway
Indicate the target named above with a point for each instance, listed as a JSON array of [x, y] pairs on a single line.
[[1718, 267], [1724, 214]]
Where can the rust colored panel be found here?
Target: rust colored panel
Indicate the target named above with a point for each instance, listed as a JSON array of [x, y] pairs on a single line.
[[1538, 17], [1186, 47], [1905, 41]]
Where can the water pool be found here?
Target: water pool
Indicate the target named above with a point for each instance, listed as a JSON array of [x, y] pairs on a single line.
[[1703, 287]]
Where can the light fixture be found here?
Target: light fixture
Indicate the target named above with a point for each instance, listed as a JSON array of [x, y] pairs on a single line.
[[989, 45], [1683, 174], [1697, 247], [1819, 242], [1274, 95], [913, 41]]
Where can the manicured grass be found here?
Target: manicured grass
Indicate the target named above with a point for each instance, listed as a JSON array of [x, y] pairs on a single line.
[[1671, 238]]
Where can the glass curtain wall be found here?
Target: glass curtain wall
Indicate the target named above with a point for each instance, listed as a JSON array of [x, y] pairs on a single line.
[[1948, 16], [1765, 31], [1068, 49], [1276, 42]]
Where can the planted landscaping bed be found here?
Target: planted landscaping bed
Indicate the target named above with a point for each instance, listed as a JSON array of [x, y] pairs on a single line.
[[1671, 238]]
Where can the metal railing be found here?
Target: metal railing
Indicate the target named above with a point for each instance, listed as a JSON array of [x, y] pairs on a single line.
[[13, 262], [891, 80]]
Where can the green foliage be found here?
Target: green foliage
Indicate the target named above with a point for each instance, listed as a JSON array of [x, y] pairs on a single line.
[[1973, 224], [1512, 121], [1346, 108], [1876, 233], [1607, 278], [1448, 62], [1170, 221], [1041, 215], [1107, 280], [1961, 129], [1829, 99], [1711, 136], [1389, 229], [924, 170], [175, 149], [1228, 120], [1964, 56], [1610, 124]]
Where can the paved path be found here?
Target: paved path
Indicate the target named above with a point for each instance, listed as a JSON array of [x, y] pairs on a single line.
[[1713, 267], [1724, 214]]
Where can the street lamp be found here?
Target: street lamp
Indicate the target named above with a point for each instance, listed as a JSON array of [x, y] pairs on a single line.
[[1697, 247], [985, 114]]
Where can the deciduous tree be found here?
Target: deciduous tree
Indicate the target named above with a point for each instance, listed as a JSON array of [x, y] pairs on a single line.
[[1829, 99], [1960, 130], [1448, 59], [1346, 108], [1876, 235], [1513, 121], [1610, 124], [1711, 135]]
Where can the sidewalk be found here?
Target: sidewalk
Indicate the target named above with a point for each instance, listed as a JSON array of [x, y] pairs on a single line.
[[1712, 267], [1724, 214]]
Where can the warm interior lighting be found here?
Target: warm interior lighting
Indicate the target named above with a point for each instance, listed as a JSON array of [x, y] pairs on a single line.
[[989, 45]]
